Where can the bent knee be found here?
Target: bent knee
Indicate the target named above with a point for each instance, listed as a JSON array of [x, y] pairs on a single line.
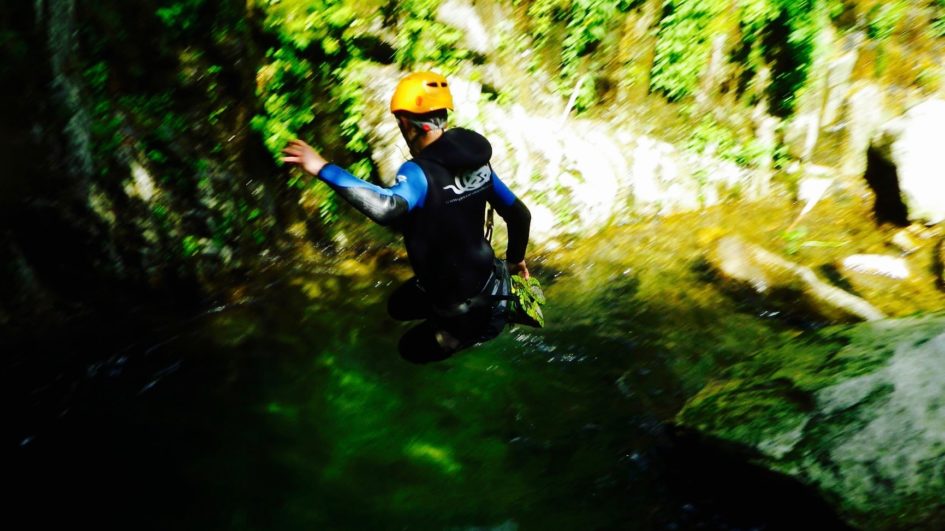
[[420, 345]]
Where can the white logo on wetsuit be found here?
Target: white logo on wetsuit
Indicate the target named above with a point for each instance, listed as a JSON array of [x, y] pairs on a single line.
[[473, 180]]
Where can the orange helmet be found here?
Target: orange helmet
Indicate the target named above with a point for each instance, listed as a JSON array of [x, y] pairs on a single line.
[[420, 93]]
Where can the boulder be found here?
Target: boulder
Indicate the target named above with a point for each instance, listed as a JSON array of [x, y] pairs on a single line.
[[905, 165], [865, 113], [856, 412], [790, 288]]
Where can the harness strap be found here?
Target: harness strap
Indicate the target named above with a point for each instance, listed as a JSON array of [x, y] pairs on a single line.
[[484, 298], [489, 223], [490, 215]]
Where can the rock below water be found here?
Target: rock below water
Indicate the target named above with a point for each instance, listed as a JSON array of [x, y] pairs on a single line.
[[874, 276], [856, 412], [791, 288], [879, 265], [938, 263]]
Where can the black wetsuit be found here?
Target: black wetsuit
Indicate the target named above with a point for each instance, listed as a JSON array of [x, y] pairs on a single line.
[[439, 203]]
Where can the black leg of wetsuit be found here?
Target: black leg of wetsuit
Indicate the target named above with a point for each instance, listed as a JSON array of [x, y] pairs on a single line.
[[419, 344], [409, 302]]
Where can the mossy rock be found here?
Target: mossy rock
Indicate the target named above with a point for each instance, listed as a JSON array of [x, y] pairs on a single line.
[[856, 412]]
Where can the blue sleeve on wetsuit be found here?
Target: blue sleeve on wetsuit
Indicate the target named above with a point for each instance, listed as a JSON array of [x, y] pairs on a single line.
[[502, 191], [383, 205], [516, 216], [411, 184]]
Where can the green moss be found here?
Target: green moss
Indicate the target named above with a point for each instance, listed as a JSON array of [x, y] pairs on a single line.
[[755, 413], [769, 395], [440, 457]]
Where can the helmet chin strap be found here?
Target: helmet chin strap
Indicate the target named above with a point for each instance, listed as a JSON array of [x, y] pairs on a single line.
[[417, 132], [426, 127]]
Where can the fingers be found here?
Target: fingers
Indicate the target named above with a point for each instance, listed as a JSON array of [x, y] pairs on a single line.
[[296, 147], [293, 153], [523, 269], [519, 269], [292, 150]]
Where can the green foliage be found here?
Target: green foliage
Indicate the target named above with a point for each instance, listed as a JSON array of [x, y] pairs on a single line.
[[190, 246], [422, 40], [779, 34], [284, 89], [782, 34], [938, 25], [169, 99], [794, 240], [180, 14], [776, 34], [311, 61], [314, 75], [684, 45], [588, 24], [883, 19], [575, 29], [97, 75], [710, 136]]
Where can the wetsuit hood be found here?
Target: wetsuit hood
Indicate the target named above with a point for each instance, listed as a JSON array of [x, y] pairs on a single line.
[[459, 149]]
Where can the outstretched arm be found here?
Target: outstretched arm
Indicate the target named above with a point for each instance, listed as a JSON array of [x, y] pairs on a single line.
[[517, 218], [382, 205]]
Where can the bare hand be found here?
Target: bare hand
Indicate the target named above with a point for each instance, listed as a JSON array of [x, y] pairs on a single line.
[[518, 269], [304, 156]]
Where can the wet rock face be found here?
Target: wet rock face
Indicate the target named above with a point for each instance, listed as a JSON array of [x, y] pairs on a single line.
[[858, 413], [742, 267], [138, 177], [904, 166]]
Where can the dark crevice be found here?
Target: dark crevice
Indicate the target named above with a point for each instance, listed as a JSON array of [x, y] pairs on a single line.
[[883, 179], [748, 493]]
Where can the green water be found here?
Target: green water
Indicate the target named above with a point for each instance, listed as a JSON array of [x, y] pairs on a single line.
[[293, 410]]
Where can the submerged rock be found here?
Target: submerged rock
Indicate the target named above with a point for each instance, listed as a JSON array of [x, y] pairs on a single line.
[[857, 413], [938, 263], [905, 242], [876, 264], [793, 288]]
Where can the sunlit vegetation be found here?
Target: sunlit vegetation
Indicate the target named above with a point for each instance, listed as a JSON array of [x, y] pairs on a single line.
[[182, 106]]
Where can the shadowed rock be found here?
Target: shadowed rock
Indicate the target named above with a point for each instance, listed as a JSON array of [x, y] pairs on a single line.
[[939, 265], [857, 412]]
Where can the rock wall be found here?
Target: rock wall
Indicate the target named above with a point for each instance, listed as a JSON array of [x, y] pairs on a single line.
[[858, 413]]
